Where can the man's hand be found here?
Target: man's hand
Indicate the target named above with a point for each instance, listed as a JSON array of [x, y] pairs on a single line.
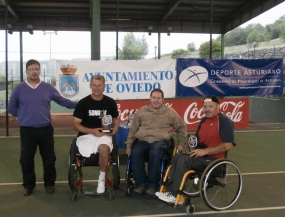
[[114, 131], [96, 132], [128, 151], [198, 153]]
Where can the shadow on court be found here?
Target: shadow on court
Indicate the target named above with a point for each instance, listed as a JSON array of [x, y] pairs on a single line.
[[259, 156]]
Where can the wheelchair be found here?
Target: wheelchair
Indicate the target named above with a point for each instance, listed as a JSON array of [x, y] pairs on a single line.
[[166, 160], [219, 185], [77, 161]]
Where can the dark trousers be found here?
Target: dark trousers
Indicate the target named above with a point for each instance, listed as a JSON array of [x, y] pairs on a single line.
[[154, 153], [181, 163], [30, 139]]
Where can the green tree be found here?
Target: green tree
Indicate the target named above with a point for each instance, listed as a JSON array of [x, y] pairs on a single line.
[[272, 31], [179, 53], [256, 36], [282, 30], [191, 46], [235, 37], [256, 33], [204, 50], [2, 77], [133, 48]]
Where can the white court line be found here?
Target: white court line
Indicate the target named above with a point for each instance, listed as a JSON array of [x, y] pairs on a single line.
[[63, 182], [57, 182], [261, 173], [213, 212]]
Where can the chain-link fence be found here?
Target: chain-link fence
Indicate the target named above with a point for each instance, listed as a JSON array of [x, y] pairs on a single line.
[[265, 112]]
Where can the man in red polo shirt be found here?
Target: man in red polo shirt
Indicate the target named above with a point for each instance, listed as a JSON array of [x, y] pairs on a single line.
[[215, 135]]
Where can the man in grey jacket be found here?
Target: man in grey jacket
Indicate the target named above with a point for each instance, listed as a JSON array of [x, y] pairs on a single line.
[[152, 128]]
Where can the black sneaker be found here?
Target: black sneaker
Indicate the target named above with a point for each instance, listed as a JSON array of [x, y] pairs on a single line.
[[27, 191], [50, 189]]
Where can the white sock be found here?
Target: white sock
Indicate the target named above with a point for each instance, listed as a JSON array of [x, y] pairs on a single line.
[[102, 176]]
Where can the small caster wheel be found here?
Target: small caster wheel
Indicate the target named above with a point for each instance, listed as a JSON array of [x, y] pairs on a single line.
[[111, 194], [74, 195], [190, 209], [127, 191]]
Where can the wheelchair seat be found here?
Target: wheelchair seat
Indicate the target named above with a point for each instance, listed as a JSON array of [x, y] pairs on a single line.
[[77, 161]]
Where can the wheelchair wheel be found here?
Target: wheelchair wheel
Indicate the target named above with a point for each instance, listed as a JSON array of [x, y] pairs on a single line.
[[70, 179], [74, 176], [115, 165], [190, 209], [129, 185], [191, 186], [221, 184], [71, 160], [116, 174]]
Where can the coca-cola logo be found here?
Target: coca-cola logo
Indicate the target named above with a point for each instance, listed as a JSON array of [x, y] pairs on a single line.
[[124, 115], [193, 114], [191, 110]]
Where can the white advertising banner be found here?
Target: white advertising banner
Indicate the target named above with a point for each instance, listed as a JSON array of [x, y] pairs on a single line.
[[125, 79]]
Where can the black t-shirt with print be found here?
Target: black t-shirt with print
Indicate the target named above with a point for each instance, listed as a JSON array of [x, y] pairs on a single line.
[[89, 111]]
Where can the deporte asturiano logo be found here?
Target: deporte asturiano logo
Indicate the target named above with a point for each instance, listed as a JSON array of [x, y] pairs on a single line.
[[193, 76]]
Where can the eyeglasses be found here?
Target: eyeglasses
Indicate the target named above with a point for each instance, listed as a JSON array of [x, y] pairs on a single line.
[[33, 69]]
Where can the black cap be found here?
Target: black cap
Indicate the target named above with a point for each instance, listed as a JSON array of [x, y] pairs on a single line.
[[211, 98]]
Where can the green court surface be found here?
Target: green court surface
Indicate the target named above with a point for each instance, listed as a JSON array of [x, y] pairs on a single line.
[[259, 156]]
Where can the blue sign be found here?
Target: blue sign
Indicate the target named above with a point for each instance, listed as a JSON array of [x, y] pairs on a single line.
[[68, 85], [202, 77]]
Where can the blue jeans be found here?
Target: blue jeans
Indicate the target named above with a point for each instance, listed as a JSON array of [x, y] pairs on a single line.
[[154, 152]]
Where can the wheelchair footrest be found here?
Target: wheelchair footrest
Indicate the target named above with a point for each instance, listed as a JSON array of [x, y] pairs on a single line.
[[92, 193]]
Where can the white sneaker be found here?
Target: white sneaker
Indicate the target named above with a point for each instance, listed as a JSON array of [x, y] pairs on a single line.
[[101, 186], [158, 194], [169, 198]]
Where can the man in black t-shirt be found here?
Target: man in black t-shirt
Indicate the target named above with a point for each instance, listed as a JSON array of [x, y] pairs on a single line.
[[87, 121]]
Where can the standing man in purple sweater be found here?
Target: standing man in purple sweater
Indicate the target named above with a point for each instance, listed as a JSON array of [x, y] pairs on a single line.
[[30, 103]]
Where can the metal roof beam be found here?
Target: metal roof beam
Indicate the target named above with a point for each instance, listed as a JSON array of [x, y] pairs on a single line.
[[169, 12], [11, 10]]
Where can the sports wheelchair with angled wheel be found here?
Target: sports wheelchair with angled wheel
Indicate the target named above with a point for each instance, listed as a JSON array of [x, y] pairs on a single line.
[[166, 161], [219, 185], [77, 161]]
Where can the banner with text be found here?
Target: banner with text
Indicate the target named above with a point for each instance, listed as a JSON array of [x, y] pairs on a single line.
[[125, 79], [191, 110], [202, 77]]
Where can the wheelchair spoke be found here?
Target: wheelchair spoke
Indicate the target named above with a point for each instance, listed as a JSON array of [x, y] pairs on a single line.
[[222, 191]]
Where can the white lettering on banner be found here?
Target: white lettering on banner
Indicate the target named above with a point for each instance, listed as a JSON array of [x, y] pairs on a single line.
[[226, 72], [191, 112], [246, 72], [235, 115], [193, 115], [168, 105]]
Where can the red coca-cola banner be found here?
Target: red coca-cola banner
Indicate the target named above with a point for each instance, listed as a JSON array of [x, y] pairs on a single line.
[[190, 110]]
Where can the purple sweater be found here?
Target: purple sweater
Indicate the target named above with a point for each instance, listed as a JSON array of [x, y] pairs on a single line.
[[32, 106]]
